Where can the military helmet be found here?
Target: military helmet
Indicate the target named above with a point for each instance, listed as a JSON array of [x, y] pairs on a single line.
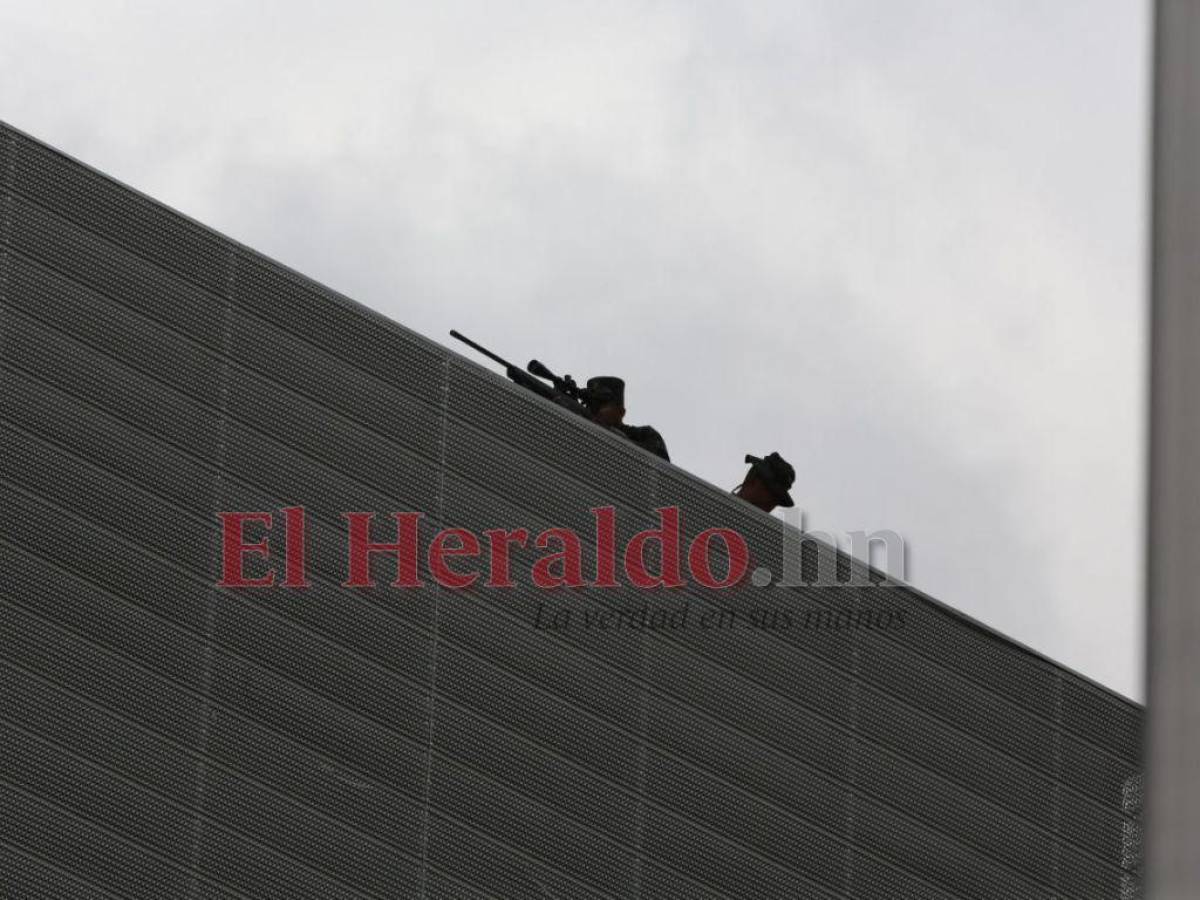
[[605, 389]]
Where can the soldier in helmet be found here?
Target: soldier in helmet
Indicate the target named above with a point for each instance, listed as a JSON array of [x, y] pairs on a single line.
[[603, 401], [605, 398], [767, 483]]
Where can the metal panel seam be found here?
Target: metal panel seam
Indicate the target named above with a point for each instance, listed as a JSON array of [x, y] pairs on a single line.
[[1058, 785], [6, 180], [643, 732], [212, 592], [852, 793], [437, 596]]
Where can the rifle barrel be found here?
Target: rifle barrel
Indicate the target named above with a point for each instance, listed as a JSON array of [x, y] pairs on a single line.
[[484, 350]]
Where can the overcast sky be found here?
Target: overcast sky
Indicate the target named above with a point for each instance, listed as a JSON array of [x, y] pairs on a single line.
[[900, 242]]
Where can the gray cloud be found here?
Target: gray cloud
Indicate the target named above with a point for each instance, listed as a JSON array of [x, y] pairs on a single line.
[[900, 242]]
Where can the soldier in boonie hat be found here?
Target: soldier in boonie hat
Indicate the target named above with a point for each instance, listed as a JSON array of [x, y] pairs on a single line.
[[767, 483]]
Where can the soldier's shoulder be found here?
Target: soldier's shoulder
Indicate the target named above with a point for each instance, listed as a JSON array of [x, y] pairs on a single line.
[[639, 432], [647, 436]]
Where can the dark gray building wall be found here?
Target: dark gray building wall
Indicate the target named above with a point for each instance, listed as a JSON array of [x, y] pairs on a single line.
[[162, 737]]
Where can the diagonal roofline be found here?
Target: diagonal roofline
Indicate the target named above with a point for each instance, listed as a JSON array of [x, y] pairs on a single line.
[[599, 433]]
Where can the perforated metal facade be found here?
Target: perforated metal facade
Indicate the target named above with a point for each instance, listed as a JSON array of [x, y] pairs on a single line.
[[161, 737]]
